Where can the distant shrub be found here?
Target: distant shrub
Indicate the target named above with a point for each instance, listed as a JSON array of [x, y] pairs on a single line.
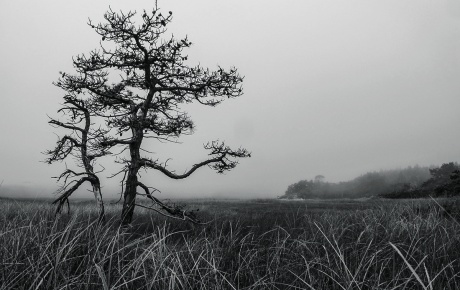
[[404, 190]]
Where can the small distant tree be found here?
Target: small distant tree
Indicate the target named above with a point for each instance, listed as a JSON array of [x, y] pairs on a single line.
[[319, 178], [137, 84]]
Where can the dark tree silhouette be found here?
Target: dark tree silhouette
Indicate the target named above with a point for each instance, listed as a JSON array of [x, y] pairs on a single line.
[[80, 143], [444, 180], [137, 82]]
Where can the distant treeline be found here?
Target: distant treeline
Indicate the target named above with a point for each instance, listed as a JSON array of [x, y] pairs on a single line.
[[444, 181], [410, 182]]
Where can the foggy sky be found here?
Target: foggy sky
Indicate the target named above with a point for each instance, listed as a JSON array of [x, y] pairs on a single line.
[[336, 88]]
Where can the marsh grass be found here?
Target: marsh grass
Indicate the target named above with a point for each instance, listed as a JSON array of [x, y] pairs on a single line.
[[262, 244]]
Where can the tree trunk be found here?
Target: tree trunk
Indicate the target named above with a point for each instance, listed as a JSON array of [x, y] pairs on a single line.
[[129, 198], [99, 201], [131, 182]]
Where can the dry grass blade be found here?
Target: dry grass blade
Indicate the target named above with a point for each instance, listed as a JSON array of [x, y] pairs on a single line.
[[414, 273], [303, 280], [101, 274], [339, 254]]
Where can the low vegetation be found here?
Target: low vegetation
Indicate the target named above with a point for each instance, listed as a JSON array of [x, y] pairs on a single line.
[[260, 244]]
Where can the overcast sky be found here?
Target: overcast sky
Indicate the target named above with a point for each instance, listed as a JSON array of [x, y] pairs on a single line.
[[336, 88]]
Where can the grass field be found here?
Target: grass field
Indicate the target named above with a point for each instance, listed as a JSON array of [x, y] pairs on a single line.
[[256, 244]]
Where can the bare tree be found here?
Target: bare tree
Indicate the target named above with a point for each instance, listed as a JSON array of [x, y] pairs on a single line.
[[81, 143], [137, 82]]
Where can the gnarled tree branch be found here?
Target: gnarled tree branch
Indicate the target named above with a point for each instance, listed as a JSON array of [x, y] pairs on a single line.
[[167, 209], [220, 163]]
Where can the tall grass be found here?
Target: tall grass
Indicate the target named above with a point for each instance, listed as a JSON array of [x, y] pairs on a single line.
[[388, 246]]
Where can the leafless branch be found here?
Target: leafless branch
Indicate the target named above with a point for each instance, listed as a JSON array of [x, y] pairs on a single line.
[[220, 163], [172, 210]]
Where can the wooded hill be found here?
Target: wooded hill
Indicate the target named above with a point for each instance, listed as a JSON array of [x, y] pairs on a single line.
[[413, 181]]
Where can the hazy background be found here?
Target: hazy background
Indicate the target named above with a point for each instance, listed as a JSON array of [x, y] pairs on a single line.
[[335, 88]]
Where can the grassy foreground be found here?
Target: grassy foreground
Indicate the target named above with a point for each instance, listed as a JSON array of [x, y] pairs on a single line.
[[263, 244]]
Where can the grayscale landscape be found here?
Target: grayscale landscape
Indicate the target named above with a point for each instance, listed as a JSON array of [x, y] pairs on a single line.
[[230, 145]]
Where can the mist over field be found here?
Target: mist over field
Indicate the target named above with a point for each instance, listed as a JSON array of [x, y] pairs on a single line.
[[331, 87]]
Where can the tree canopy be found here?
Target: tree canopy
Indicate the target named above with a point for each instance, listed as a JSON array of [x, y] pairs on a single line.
[[136, 86]]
